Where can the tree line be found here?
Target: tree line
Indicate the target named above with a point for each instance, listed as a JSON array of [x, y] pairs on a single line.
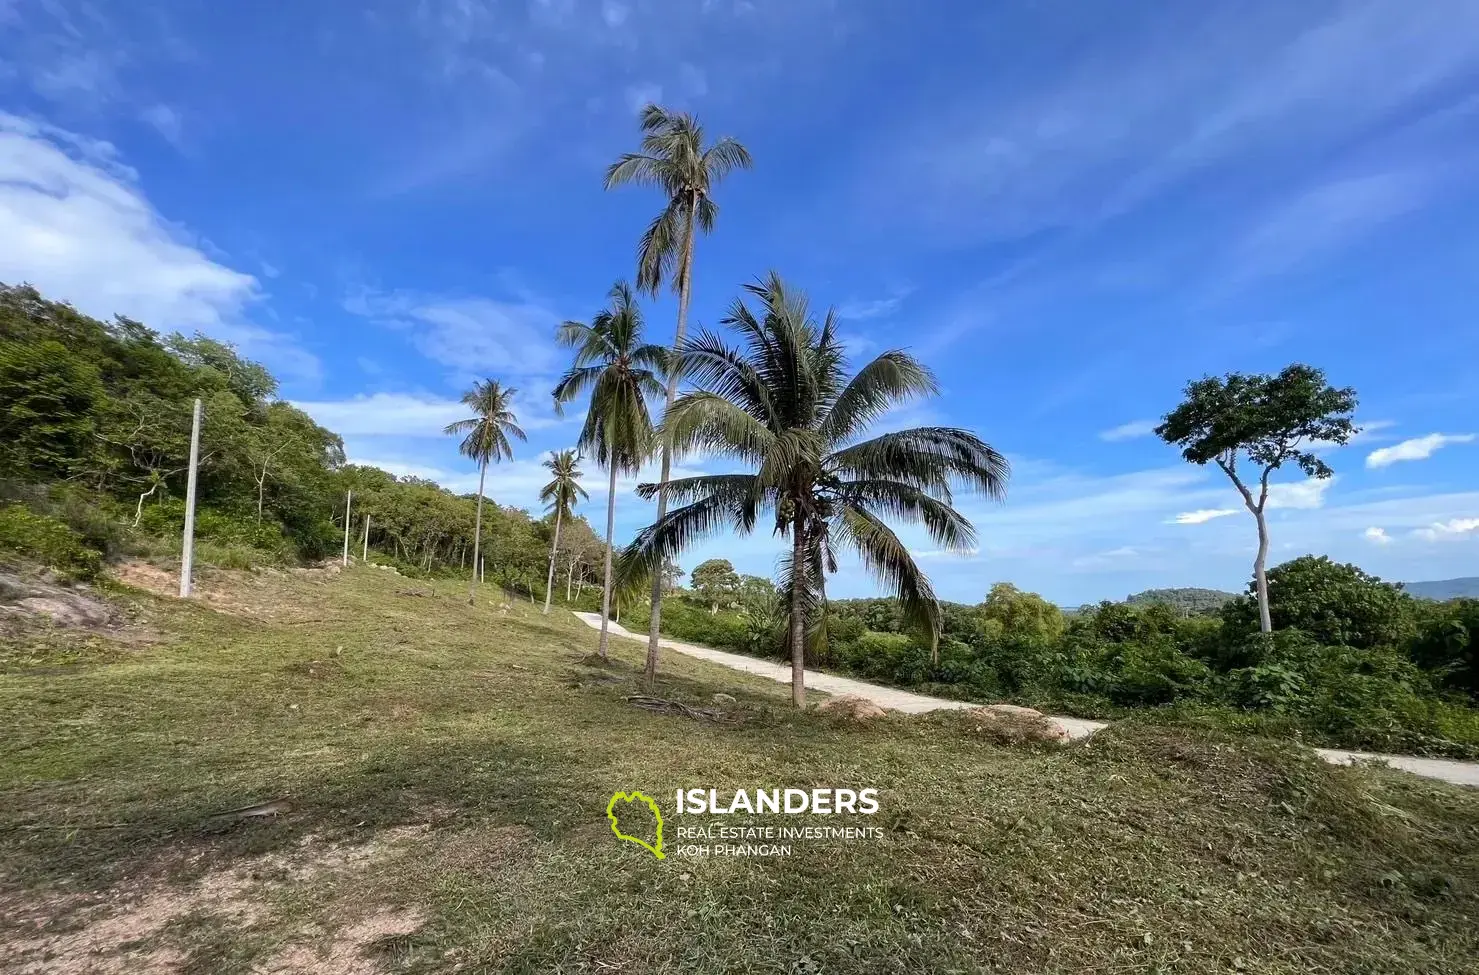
[[94, 435]]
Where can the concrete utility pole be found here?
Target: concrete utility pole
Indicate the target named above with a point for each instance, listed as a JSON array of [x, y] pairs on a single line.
[[348, 499], [187, 550], [365, 556]]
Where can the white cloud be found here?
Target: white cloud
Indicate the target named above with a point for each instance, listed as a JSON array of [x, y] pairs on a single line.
[[1306, 494], [1201, 516], [1418, 448], [1114, 558], [78, 227], [1129, 431], [471, 334], [1377, 535], [164, 120], [386, 414], [1453, 528], [418, 415]]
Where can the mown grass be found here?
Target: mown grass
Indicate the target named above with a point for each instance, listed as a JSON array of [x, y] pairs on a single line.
[[1148, 849]]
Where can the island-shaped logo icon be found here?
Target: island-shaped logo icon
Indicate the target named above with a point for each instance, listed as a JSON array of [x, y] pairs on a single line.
[[630, 797]]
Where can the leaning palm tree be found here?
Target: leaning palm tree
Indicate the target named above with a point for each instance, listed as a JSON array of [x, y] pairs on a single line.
[[784, 405], [621, 372], [485, 440], [560, 496], [673, 159]]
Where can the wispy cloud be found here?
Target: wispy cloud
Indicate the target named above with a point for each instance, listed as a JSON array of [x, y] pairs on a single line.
[[469, 333], [1325, 219], [1164, 101], [1418, 448], [78, 226], [1453, 528], [1377, 535], [863, 309], [166, 121], [1129, 431], [1202, 516]]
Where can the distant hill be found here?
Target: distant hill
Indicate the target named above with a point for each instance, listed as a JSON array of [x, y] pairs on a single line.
[[1186, 600], [1441, 589]]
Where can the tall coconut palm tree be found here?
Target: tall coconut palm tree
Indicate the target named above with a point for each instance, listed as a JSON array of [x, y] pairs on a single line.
[[560, 495], [784, 404], [620, 372], [674, 159], [485, 440]]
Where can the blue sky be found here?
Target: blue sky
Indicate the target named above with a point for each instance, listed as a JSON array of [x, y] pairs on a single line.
[[1068, 210]]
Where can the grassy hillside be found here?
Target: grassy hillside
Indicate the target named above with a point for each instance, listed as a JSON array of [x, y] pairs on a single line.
[[449, 768]]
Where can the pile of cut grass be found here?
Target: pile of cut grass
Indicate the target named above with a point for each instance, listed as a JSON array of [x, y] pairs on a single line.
[[450, 766]]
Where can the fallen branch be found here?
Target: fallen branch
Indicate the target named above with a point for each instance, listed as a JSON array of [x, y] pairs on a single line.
[[662, 706]]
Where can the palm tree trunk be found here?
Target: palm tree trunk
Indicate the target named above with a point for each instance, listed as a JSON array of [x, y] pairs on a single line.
[[477, 535], [798, 620], [685, 271], [606, 588], [549, 584]]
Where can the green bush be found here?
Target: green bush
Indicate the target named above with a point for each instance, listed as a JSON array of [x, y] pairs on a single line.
[[47, 540], [167, 519], [1335, 604], [1448, 644]]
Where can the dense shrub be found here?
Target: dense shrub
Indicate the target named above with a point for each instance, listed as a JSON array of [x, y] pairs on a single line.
[[1447, 643], [47, 540], [1382, 688], [1335, 604]]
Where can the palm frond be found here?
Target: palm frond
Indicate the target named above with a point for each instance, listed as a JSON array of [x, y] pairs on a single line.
[[948, 528], [888, 559], [891, 379], [658, 249], [931, 458], [708, 423], [724, 157]]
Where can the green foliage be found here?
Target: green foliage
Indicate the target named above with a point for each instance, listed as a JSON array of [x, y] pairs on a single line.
[[1024, 614], [48, 398], [783, 404], [1272, 419], [716, 582], [1187, 601], [1448, 644], [675, 160], [47, 540], [1118, 658], [1332, 602], [107, 406]]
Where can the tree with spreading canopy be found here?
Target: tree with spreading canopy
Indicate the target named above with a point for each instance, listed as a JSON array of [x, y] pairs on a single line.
[[1271, 420], [674, 159], [485, 440], [560, 496], [716, 582], [784, 404], [620, 371]]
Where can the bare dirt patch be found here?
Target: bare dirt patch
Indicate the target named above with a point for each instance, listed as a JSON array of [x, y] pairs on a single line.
[[138, 926], [265, 595]]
